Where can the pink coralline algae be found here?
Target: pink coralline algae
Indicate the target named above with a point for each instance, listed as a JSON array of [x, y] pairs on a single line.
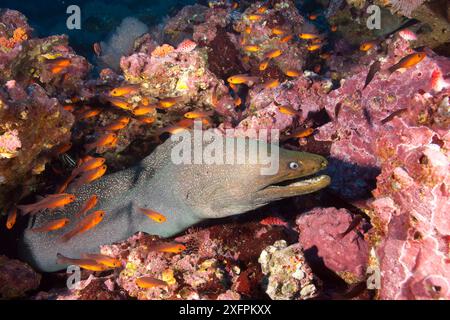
[[325, 234], [9, 143], [411, 213]]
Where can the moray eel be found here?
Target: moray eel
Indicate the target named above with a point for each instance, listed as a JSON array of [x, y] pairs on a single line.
[[185, 193]]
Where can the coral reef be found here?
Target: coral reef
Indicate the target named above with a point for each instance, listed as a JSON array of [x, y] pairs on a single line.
[[288, 275], [16, 278]]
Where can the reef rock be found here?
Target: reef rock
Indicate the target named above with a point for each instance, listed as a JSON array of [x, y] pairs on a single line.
[[16, 278], [288, 275], [324, 234]]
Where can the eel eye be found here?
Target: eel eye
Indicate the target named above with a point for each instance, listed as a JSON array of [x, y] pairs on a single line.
[[294, 165]]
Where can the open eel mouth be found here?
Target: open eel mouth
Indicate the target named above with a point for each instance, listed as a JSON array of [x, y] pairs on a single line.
[[291, 186]]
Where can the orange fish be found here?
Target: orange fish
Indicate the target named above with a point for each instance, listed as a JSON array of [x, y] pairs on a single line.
[[237, 101], [118, 124], [90, 113], [169, 102], [271, 83], [366, 46], [197, 114], [50, 202], [254, 17], [252, 48], [124, 91], [278, 31], [69, 107], [171, 129], [86, 224], [87, 264], [88, 164], [273, 221], [150, 282], [105, 140], [12, 217], [143, 110], [313, 16], [286, 38], [120, 103], [303, 133], [292, 73], [235, 5], [88, 205], [263, 65], [334, 28], [308, 36], [103, 259], [273, 54], [248, 30], [168, 247], [314, 47], [409, 61], [288, 110], [242, 79], [63, 148], [147, 120], [262, 9], [59, 64], [52, 225], [90, 176], [155, 216]]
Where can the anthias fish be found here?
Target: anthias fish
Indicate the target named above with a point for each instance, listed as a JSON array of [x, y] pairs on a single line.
[[155, 216], [124, 91], [168, 247], [49, 202], [243, 79], [103, 259], [52, 225], [409, 61], [87, 206], [87, 264], [150, 282], [84, 225]]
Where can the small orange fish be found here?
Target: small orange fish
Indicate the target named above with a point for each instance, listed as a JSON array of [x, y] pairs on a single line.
[[273, 54], [313, 16], [308, 36], [334, 28], [366, 46], [235, 5], [49, 202], [273, 221], [147, 120], [303, 133], [87, 264], [88, 164], [90, 176], [143, 110], [155, 216], [292, 73], [90, 113], [248, 30], [84, 225], [150, 282], [118, 124], [88, 205], [263, 65], [171, 129], [169, 102], [168, 247], [278, 31], [262, 9], [59, 64], [246, 59], [237, 101], [63, 148], [12, 218], [409, 61], [197, 114], [286, 38], [103, 259], [124, 91], [234, 87], [271, 84], [254, 17], [252, 48], [105, 140], [242, 79], [185, 123], [120, 103], [69, 107], [314, 47], [52, 225], [288, 110]]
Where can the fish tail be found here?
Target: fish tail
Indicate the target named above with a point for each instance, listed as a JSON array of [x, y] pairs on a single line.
[[27, 209], [60, 259]]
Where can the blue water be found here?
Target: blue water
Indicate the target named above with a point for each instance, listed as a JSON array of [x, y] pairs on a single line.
[[98, 17]]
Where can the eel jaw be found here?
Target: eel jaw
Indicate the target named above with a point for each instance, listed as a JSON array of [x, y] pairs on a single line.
[[297, 187]]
